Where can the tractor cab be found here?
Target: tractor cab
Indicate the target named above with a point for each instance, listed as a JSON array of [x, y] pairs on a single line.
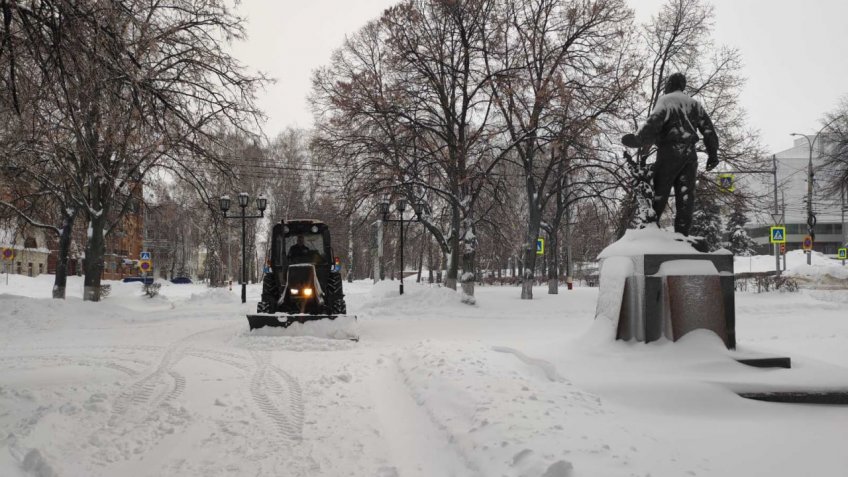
[[300, 242]]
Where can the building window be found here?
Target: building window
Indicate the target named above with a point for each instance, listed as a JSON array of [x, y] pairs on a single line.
[[40, 268], [19, 268], [30, 242], [29, 269]]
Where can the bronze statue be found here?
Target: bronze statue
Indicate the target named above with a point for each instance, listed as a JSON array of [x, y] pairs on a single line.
[[673, 126]]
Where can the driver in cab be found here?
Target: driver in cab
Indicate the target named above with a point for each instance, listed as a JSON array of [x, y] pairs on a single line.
[[299, 250]]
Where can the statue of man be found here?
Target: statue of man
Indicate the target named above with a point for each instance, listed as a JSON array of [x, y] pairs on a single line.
[[673, 126]]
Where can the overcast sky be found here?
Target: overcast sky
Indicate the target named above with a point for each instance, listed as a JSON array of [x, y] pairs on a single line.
[[795, 54]]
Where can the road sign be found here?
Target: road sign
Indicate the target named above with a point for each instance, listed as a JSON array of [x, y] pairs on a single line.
[[7, 253], [144, 256], [725, 182], [842, 253], [808, 243], [145, 265], [777, 234], [540, 246], [777, 218], [782, 248]]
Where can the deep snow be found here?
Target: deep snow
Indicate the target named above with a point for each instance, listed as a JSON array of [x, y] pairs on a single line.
[[176, 385]]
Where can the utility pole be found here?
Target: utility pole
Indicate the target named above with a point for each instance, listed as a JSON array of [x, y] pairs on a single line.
[[776, 215], [783, 211], [844, 235], [811, 218]]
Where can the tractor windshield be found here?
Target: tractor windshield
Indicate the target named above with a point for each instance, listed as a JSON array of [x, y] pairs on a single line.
[[305, 248]]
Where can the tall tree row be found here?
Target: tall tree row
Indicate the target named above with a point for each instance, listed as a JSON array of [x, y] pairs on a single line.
[[462, 104], [105, 92]]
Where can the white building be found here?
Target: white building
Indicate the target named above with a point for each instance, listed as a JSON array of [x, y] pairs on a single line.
[[29, 252], [792, 180]]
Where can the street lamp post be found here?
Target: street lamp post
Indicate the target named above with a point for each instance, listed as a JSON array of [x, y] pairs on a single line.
[[401, 207], [811, 217], [243, 201]]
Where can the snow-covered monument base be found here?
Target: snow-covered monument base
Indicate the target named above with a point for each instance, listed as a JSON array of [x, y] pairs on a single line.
[[655, 285]]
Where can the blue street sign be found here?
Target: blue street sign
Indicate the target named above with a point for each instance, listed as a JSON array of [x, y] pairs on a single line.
[[843, 253], [777, 234], [540, 246], [144, 256]]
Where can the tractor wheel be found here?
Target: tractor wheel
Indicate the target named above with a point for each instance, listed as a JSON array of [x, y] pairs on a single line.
[[270, 294], [334, 292]]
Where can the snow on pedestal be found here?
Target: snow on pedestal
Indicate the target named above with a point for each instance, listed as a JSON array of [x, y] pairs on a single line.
[[654, 285]]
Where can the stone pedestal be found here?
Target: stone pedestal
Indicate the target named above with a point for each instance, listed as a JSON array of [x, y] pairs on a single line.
[[668, 295]]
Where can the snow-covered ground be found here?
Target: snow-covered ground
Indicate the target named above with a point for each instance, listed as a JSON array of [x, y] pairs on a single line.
[[175, 385]]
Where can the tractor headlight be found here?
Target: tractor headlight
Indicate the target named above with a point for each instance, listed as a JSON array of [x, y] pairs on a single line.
[[294, 291], [307, 292]]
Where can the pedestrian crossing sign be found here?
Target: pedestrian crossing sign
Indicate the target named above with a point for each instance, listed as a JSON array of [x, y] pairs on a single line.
[[777, 234], [725, 182], [144, 256], [540, 246], [842, 253]]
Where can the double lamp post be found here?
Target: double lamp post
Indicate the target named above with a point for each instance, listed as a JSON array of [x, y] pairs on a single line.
[[384, 210], [243, 202]]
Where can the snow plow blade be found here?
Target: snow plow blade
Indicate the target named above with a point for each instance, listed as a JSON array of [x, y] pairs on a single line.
[[321, 326]]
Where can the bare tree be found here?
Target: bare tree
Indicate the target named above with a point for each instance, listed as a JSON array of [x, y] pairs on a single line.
[[835, 151], [134, 86], [679, 39], [569, 66]]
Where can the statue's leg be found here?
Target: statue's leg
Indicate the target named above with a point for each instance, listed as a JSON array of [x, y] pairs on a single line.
[[684, 197], [664, 173]]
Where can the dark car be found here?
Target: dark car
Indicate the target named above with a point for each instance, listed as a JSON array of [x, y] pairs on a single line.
[[181, 280], [145, 280]]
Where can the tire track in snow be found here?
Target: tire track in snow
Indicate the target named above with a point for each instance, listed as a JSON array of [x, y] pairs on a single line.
[[287, 417], [59, 361], [295, 401], [144, 412], [223, 357], [141, 391], [420, 444]]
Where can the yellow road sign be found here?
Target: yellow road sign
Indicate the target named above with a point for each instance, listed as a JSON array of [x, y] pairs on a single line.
[[777, 234], [145, 265], [725, 182]]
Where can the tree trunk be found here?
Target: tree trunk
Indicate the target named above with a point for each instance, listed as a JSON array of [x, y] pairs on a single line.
[[530, 256], [553, 259], [420, 264], [430, 260], [350, 248], [454, 253], [469, 250], [569, 256], [468, 277], [61, 281], [95, 250]]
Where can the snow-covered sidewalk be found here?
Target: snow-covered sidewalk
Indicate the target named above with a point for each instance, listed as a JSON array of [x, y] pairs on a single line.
[[175, 385]]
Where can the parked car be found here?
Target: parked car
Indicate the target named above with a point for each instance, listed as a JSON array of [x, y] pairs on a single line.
[[181, 280], [145, 280]]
